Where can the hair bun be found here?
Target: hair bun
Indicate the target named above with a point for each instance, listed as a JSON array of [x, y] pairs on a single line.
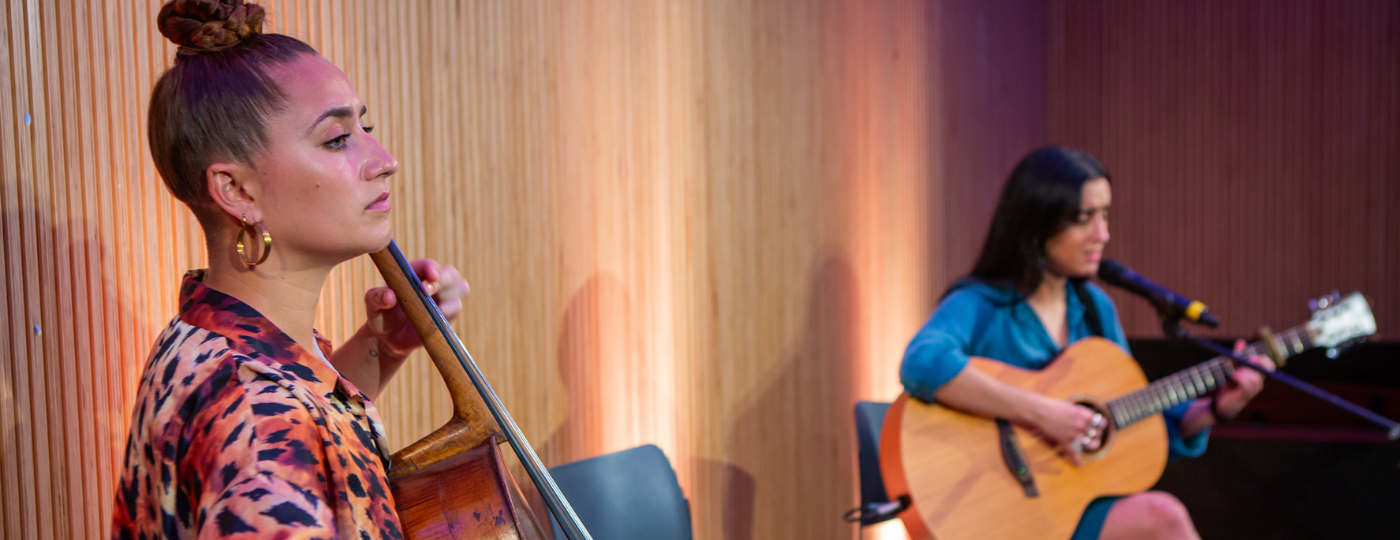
[[199, 26]]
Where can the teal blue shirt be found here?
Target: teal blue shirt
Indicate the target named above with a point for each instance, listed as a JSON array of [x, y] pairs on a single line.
[[980, 320]]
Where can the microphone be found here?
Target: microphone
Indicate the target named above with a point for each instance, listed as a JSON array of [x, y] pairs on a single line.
[[1170, 304]]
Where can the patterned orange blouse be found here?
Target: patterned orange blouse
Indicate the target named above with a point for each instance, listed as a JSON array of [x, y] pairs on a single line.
[[239, 432]]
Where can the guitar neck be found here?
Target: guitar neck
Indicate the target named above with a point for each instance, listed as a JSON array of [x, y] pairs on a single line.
[[1198, 380]]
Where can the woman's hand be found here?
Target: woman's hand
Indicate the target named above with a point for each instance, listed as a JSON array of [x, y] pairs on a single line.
[[1066, 425], [1243, 385], [387, 322]]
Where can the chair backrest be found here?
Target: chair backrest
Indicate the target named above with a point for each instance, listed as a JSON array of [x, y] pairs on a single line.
[[632, 494], [870, 419]]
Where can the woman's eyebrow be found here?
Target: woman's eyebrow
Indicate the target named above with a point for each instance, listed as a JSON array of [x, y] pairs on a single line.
[[336, 112]]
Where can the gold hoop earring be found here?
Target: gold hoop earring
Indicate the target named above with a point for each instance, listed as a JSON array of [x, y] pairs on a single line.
[[267, 243]]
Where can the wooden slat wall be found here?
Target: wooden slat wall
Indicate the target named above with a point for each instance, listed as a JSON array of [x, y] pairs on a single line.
[[1255, 147], [990, 102], [692, 223], [709, 225]]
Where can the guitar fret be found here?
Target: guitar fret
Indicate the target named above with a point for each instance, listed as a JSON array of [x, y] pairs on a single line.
[[1299, 340], [1198, 380], [1286, 342]]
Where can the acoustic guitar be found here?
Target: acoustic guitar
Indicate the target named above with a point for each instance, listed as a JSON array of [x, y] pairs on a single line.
[[970, 477]]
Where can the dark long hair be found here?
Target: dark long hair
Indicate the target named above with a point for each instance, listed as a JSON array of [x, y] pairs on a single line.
[[1040, 199]]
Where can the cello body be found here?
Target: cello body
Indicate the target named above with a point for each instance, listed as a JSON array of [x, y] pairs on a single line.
[[467, 495], [454, 484]]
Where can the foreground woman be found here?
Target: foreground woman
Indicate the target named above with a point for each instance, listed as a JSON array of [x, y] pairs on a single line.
[[247, 424]]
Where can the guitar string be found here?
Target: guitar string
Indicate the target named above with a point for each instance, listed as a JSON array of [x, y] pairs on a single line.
[[1195, 381]]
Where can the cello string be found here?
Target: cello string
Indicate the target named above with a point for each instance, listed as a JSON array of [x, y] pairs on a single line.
[[554, 498]]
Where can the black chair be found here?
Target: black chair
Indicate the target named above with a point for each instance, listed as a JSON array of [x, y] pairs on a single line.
[[875, 505], [632, 494]]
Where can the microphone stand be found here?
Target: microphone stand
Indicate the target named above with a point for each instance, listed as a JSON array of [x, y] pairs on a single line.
[[1172, 327]]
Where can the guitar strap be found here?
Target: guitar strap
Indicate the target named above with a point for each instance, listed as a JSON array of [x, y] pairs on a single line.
[[1091, 311]]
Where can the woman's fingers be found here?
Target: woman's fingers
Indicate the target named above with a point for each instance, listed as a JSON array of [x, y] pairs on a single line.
[[1250, 381], [378, 301], [450, 308], [427, 269], [380, 298]]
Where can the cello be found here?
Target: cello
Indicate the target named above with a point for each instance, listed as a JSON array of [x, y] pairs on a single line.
[[453, 484]]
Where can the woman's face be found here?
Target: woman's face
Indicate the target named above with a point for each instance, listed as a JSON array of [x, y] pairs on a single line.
[[323, 188], [1077, 250]]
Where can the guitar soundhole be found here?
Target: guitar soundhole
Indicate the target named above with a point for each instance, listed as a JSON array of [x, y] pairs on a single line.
[[1106, 429]]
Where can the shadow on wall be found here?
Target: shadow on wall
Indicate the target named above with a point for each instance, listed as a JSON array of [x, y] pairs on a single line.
[[792, 443], [56, 384], [797, 437], [597, 336], [598, 349]]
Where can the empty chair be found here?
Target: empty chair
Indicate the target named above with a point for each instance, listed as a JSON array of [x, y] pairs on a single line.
[[627, 495], [875, 505]]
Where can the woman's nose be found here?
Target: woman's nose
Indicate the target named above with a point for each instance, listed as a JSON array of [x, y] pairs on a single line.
[[381, 163]]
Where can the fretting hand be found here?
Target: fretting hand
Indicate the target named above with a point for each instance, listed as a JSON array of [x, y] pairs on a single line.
[[388, 322], [1242, 387]]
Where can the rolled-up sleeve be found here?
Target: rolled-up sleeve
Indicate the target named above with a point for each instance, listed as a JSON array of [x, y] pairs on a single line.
[[1178, 446], [940, 350]]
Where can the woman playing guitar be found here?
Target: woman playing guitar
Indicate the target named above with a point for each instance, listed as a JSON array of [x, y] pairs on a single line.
[[246, 424], [1026, 299]]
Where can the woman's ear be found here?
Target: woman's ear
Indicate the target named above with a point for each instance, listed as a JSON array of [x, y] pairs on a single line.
[[234, 190]]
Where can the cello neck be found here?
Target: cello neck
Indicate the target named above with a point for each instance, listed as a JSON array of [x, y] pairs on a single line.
[[474, 403]]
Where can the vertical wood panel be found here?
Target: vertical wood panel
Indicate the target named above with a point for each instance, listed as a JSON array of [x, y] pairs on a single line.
[[1253, 146], [704, 225], [993, 86]]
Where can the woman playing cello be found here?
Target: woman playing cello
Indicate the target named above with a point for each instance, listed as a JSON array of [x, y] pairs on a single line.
[[247, 423]]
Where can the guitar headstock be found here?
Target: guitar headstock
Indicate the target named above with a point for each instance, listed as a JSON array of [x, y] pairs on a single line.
[[1340, 321]]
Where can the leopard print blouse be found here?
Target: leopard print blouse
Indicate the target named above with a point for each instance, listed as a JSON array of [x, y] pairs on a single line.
[[239, 432]]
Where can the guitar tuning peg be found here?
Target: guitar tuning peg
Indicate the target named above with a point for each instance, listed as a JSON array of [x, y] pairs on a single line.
[[1344, 346], [1313, 305]]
